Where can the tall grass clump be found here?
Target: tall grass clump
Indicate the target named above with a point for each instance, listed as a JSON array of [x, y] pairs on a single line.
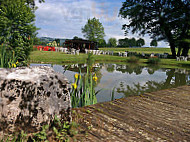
[[154, 60], [83, 89], [133, 59], [7, 57]]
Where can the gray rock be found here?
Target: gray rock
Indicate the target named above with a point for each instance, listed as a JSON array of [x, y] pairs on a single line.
[[31, 97]]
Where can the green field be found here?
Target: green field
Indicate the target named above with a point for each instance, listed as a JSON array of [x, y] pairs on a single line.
[[147, 50], [61, 58]]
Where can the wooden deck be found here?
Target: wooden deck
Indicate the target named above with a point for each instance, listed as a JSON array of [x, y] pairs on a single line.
[[158, 116]]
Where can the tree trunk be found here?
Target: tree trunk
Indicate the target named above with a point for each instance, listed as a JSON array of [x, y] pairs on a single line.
[[179, 51], [172, 47], [185, 49]]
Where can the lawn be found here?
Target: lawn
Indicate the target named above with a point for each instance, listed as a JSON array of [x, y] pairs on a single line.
[[61, 58], [146, 50]]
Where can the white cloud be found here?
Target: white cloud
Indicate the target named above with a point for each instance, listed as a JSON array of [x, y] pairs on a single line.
[[65, 18]]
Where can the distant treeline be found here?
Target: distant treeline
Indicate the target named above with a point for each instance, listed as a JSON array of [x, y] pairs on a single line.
[[112, 42], [126, 42]]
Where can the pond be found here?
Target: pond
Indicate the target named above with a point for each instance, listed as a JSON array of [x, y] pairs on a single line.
[[125, 79]]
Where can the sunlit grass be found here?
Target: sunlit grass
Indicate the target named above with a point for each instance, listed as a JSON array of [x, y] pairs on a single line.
[[139, 50], [61, 58]]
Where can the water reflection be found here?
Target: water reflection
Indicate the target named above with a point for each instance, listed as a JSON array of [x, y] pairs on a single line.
[[129, 79], [175, 78]]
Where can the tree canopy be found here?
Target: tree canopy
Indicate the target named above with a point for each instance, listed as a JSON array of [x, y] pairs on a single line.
[[17, 27], [112, 42], [153, 43], [167, 20], [102, 43], [32, 2], [140, 42], [126, 42], [93, 30]]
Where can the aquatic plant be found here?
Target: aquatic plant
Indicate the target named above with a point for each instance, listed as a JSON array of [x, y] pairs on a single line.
[[113, 94], [83, 89], [83, 92], [154, 60], [133, 59]]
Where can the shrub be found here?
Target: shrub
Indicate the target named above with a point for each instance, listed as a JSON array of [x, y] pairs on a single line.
[[133, 59], [7, 57], [153, 60]]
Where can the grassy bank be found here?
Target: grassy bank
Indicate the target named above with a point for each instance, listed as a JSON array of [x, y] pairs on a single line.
[[139, 50], [61, 58]]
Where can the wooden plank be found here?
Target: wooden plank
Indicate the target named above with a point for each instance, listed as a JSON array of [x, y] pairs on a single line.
[[158, 116]]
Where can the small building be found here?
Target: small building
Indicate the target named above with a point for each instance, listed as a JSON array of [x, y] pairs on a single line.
[[81, 44]]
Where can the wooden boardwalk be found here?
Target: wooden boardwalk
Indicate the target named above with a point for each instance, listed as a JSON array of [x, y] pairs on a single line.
[[159, 116]]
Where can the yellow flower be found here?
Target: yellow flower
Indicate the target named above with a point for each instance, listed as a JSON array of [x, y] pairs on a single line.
[[16, 62], [14, 65], [95, 78], [74, 85], [76, 76]]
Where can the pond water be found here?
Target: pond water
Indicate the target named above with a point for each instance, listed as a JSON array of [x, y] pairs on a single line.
[[127, 80]]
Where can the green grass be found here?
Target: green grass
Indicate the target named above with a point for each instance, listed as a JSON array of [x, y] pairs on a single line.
[[147, 50], [61, 58]]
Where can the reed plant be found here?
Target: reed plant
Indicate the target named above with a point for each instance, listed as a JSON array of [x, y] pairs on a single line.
[[83, 89]]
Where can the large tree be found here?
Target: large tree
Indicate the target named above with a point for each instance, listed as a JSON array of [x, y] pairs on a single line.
[[17, 27], [162, 19], [30, 2], [93, 30]]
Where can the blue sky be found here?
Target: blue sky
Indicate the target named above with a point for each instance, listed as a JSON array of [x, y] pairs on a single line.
[[65, 18]]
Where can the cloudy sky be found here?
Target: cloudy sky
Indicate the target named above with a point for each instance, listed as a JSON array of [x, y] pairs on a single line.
[[65, 18]]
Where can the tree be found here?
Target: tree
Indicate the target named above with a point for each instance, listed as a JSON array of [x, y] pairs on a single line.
[[132, 42], [57, 41], [102, 43], [32, 2], [162, 20], [112, 42], [140, 42], [17, 27], [76, 37], [36, 41], [153, 43], [123, 42], [93, 30]]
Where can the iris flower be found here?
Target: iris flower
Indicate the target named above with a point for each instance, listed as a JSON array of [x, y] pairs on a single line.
[[74, 85], [95, 78]]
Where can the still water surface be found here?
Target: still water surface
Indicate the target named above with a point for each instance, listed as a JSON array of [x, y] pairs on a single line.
[[127, 80]]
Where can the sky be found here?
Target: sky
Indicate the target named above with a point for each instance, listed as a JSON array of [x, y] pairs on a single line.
[[65, 18]]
